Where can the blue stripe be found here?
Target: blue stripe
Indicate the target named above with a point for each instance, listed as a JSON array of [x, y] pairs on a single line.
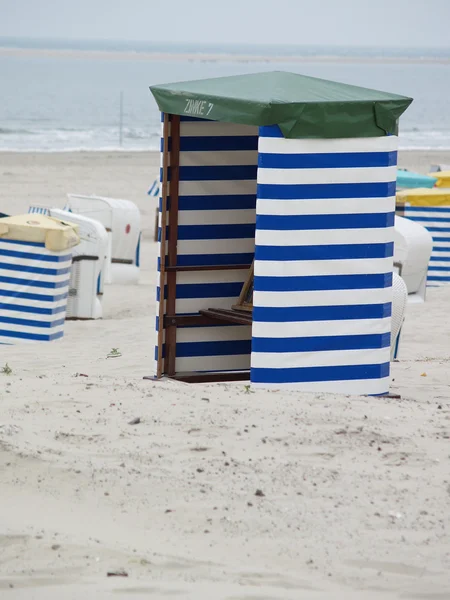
[[37, 270], [440, 230], [208, 326], [34, 244], [335, 160], [220, 202], [322, 282], [219, 143], [331, 252], [325, 190], [39, 284], [310, 374], [204, 290], [183, 118], [217, 173], [440, 258], [426, 209], [27, 296], [186, 119], [437, 278], [430, 219], [321, 343], [433, 268], [137, 259], [272, 131], [41, 257], [321, 313], [224, 348], [216, 232], [336, 221], [32, 309], [31, 322], [38, 337], [189, 260]]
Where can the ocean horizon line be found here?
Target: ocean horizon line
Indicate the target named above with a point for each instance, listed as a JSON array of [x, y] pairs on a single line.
[[216, 57]]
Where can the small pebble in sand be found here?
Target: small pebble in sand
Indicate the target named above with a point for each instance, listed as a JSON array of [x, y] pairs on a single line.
[[135, 421], [56, 546], [117, 573], [259, 493]]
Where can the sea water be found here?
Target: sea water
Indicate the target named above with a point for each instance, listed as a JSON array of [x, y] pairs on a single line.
[[61, 96]]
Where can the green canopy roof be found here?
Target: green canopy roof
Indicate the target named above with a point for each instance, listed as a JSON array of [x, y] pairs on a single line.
[[303, 107]]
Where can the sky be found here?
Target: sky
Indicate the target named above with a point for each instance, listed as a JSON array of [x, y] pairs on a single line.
[[404, 23]]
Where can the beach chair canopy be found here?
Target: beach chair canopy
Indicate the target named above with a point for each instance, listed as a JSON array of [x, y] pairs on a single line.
[[409, 179], [303, 107]]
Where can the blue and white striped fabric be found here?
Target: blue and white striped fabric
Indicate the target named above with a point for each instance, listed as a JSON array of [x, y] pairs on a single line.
[[154, 188], [34, 285], [216, 225], [41, 210], [323, 263], [437, 220]]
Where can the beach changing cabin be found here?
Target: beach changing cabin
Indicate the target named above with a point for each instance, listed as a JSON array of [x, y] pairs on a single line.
[[276, 232]]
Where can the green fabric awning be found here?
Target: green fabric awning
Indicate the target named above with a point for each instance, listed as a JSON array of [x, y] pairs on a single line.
[[303, 107]]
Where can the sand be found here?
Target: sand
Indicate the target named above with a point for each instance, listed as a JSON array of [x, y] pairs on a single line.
[[355, 492]]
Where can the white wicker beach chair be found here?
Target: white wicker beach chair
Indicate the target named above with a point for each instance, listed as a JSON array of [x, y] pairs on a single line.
[[399, 302]]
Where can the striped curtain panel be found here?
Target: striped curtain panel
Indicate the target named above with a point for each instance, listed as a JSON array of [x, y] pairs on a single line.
[[323, 263], [216, 226], [437, 220], [34, 285]]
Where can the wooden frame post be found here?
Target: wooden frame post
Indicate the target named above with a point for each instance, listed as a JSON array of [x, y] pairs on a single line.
[[171, 330], [162, 272]]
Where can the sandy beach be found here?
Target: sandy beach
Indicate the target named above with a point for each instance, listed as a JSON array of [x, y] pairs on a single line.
[[219, 492]]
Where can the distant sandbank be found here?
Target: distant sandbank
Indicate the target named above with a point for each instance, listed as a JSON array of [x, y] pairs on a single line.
[[219, 57]]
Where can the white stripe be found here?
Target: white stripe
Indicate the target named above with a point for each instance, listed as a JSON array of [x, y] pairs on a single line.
[[295, 268], [35, 262], [199, 277], [325, 206], [319, 237], [190, 305], [426, 215], [334, 358], [216, 217], [212, 363], [213, 188], [362, 387], [20, 289], [325, 176], [219, 158], [439, 224], [327, 146], [318, 328], [322, 298], [215, 128], [441, 245], [5, 245], [35, 277], [213, 334], [17, 314], [207, 247], [33, 304]]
